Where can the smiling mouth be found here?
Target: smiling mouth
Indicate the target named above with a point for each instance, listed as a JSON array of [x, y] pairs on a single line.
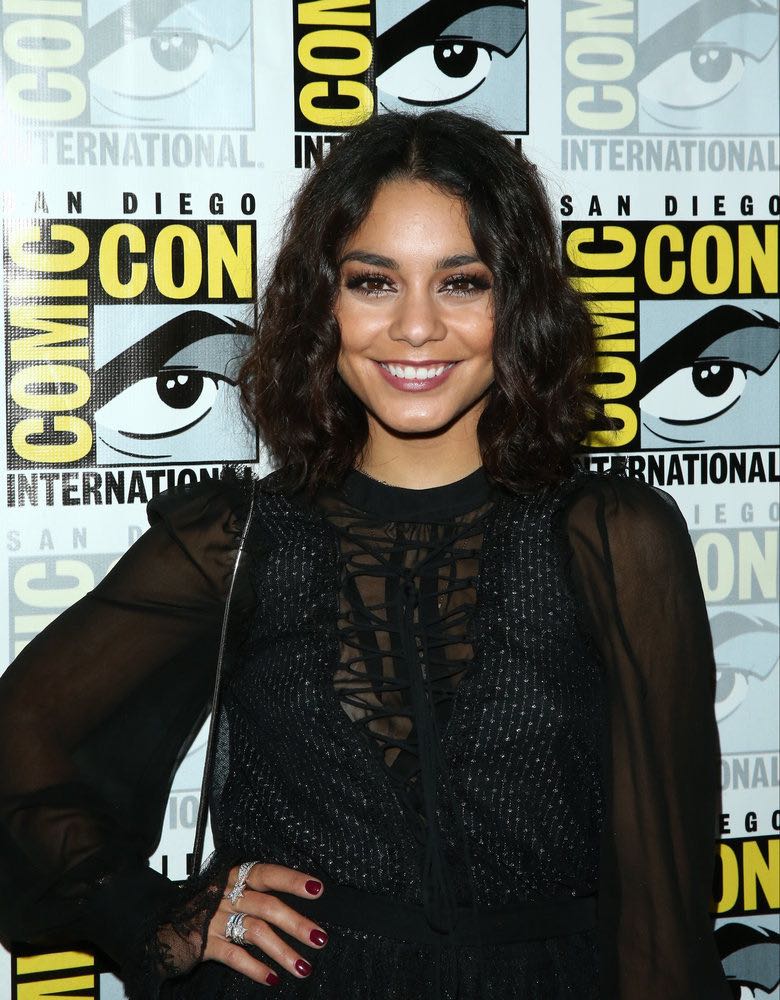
[[416, 372], [415, 378]]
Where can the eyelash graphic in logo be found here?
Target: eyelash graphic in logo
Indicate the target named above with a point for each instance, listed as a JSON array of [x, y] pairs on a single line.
[[463, 54], [172, 62], [745, 656], [713, 68], [712, 382], [172, 396]]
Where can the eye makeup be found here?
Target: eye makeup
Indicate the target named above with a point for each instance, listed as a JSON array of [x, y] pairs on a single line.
[[462, 285]]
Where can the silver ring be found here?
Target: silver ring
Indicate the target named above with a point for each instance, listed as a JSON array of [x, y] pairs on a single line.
[[234, 928], [238, 889]]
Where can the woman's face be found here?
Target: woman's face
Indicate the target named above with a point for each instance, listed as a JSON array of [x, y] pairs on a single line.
[[415, 308]]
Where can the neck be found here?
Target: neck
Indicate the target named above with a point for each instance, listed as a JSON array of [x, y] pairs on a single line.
[[421, 461]]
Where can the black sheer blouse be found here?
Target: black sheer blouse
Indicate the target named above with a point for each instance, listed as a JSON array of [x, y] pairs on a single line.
[[486, 697]]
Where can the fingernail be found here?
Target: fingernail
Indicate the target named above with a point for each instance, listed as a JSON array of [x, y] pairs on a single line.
[[303, 967], [318, 937], [272, 979], [313, 887]]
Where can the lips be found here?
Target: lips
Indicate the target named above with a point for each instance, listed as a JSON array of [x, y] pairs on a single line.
[[415, 378]]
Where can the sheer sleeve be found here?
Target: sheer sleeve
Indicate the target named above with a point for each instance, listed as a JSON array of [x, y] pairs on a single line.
[[95, 715], [633, 568]]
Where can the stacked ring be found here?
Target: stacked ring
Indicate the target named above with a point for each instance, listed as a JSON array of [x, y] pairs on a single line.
[[238, 889], [234, 928]]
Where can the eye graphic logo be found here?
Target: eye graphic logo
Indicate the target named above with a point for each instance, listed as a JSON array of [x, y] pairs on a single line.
[[171, 62], [714, 382], [746, 662], [708, 67], [356, 58], [149, 63], [671, 67], [467, 56], [170, 395]]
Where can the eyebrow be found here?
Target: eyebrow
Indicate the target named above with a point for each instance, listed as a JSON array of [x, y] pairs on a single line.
[[378, 260]]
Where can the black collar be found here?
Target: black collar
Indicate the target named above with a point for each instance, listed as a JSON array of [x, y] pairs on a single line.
[[436, 503]]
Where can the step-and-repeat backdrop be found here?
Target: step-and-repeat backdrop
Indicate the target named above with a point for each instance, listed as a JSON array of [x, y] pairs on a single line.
[[148, 151]]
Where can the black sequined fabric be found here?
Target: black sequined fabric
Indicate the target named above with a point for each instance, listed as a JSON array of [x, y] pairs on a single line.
[[398, 746]]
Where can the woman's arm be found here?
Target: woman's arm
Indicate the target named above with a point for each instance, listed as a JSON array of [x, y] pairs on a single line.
[[634, 570], [95, 715]]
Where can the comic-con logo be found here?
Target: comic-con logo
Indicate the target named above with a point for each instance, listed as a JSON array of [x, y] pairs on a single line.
[[123, 340], [687, 327], [136, 63], [356, 58], [670, 67]]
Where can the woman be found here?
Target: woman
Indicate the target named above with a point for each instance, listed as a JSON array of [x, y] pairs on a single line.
[[466, 746]]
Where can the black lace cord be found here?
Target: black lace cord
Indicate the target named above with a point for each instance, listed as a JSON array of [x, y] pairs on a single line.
[[430, 689]]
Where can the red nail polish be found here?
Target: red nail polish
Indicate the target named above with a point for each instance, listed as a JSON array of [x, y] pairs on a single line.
[[272, 979], [303, 967], [318, 937], [313, 887]]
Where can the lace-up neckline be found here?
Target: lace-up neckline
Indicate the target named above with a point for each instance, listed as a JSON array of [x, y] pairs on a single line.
[[408, 587]]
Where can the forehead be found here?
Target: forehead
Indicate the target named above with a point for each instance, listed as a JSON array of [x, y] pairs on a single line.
[[413, 215]]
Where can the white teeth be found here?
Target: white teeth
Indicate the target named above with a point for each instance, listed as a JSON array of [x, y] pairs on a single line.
[[419, 374]]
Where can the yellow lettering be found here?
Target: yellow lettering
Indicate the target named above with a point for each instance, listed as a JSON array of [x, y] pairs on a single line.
[[108, 261], [192, 260], [752, 254], [612, 261], [19, 86], [319, 114], [47, 318], [582, 61], [758, 870], [335, 39], [662, 242], [614, 364], [51, 454], [223, 257], [39, 30], [332, 12], [54, 375], [622, 435], [25, 580], [71, 260], [724, 260], [597, 118]]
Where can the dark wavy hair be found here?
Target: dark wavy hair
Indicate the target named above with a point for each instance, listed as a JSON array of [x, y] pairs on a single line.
[[540, 405]]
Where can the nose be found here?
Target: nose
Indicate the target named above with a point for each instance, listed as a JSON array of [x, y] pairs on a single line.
[[417, 319]]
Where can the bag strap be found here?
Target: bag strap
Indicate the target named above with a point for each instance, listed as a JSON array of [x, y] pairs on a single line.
[[208, 767]]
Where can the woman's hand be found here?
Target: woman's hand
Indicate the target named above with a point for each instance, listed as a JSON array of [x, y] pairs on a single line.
[[263, 913]]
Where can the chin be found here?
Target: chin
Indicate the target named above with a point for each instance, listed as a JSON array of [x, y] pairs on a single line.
[[406, 423]]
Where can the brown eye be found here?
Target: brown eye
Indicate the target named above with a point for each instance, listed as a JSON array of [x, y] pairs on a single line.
[[465, 284], [369, 284]]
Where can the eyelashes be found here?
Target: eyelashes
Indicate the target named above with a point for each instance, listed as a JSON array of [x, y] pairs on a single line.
[[458, 285]]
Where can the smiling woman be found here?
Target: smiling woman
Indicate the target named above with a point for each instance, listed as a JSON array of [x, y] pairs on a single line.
[[426, 241], [464, 745]]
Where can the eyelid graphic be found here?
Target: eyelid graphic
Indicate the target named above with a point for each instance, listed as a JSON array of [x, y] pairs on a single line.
[[750, 956], [745, 651], [152, 353], [692, 25], [692, 343], [138, 19]]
